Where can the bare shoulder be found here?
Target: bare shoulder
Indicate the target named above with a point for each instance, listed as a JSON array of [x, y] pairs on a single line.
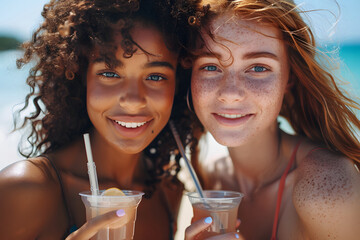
[[326, 196], [28, 196]]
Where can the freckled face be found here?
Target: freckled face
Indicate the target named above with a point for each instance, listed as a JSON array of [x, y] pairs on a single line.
[[131, 103], [238, 96]]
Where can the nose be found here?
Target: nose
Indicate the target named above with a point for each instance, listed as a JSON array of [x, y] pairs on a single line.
[[132, 96], [231, 89]]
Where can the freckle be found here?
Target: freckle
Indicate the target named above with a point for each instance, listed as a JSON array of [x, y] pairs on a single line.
[[152, 131]]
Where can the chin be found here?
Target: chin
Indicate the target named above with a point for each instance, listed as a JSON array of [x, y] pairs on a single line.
[[228, 141], [130, 147], [132, 150]]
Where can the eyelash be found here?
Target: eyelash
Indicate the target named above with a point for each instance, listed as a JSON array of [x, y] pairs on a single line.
[[265, 69], [150, 77], [252, 69], [207, 70], [104, 74]]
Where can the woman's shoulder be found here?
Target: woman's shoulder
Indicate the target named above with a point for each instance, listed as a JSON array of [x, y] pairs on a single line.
[[321, 169], [29, 193], [326, 192], [32, 170]]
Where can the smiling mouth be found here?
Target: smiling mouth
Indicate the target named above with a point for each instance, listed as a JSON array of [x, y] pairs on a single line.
[[131, 124], [231, 116]]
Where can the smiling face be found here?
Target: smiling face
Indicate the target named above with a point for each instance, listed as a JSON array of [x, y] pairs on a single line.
[[238, 86], [131, 103]]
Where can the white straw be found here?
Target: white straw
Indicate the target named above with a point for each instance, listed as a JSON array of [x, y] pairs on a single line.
[[94, 185], [187, 162]]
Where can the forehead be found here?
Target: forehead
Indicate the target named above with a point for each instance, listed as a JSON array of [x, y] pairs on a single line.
[[145, 39], [148, 38], [230, 30]]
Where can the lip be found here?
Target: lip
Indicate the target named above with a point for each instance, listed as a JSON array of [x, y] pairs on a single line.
[[232, 122], [129, 118], [131, 132]]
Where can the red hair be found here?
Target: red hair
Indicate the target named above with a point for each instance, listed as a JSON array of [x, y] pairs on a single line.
[[314, 105]]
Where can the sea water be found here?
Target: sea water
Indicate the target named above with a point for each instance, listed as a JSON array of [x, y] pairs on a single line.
[[13, 90]]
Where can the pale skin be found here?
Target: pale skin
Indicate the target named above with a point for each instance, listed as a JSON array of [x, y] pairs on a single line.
[[238, 100], [140, 89]]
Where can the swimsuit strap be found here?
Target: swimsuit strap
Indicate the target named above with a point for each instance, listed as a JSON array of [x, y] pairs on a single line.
[[281, 190], [71, 227], [315, 149]]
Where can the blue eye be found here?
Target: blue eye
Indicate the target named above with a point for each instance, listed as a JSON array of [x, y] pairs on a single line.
[[210, 68], [155, 78], [109, 74], [259, 69]]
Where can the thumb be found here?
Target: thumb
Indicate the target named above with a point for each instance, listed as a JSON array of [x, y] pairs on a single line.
[[197, 227]]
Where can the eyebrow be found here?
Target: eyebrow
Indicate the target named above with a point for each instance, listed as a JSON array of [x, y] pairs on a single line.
[[147, 65], [251, 55], [208, 54], [159, 64], [102, 60]]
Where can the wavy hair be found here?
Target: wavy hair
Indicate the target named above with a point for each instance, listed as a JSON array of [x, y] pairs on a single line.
[[61, 47], [315, 106]]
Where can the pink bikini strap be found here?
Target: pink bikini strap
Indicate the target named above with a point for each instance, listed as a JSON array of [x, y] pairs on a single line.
[[280, 191]]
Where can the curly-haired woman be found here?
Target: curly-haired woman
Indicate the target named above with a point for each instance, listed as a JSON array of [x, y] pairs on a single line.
[[256, 60], [106, 67]]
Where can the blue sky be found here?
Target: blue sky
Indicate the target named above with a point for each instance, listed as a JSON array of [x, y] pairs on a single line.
[[20, 17]]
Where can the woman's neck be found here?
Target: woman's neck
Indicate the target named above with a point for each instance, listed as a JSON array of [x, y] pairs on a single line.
[[113, 167], [113, 164], [259, 162]]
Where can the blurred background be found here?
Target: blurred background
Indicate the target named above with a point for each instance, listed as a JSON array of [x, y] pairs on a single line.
[[335, 23]]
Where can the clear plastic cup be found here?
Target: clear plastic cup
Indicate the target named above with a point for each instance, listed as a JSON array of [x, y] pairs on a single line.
[[222, 206], [98, 205]]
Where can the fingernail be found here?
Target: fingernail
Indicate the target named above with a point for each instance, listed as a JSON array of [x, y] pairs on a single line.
[[237, 235], [120, 212], [208, 220]]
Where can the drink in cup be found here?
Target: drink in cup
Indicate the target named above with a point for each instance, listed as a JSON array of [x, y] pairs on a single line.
[[111, 200], [222, 206]]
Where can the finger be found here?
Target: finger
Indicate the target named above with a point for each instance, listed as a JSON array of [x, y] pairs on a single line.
[[91, 227], [197, 227], [227, 236]]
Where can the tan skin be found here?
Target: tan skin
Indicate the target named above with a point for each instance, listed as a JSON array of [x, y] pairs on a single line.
[[140, 89], [238, 102]]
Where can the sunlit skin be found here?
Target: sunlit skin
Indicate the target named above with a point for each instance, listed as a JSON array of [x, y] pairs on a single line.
[[238, 84], [140, 90], [249, 83]]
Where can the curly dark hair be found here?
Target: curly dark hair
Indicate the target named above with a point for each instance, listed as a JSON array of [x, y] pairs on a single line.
[[62, 46]]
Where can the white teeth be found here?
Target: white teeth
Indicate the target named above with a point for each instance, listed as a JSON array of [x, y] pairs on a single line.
[[232, 116], [130, 124]]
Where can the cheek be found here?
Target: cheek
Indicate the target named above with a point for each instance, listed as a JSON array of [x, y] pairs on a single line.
[[203, 89], [162, 99], [263, 86], [269, 92], [99, 98]]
